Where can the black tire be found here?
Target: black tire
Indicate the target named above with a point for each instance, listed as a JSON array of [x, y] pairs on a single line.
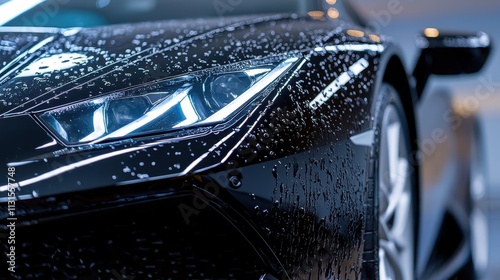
[[386, 98]]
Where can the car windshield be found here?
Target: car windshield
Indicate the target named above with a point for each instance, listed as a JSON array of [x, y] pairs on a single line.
[[87, 13]]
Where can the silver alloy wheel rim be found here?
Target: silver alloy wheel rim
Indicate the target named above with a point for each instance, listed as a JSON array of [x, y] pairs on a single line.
[[478, 219], [396, 237]]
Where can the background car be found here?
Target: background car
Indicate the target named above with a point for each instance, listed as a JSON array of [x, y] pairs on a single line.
[[465, 110], [289, 138]]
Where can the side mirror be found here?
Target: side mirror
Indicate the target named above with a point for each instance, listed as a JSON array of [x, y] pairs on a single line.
[[447, 53]]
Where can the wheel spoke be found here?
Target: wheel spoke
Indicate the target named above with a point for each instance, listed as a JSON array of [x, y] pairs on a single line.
[[401, 219], [393, 134], [384, 269], [384, 198], [385, 234], [395, 201], [391, 257], [398, 188]]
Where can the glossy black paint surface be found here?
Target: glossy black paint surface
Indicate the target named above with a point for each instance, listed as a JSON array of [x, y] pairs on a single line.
[[285, 175], [17, 49]]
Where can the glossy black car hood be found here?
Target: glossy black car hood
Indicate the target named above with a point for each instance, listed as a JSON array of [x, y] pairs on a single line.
[[83, 63], [19, 45], [16, 42], [108, 59]]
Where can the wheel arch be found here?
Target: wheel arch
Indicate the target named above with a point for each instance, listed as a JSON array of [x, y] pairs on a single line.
[[393, 72]]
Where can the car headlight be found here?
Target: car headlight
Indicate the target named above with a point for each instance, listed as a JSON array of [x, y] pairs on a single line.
[[190, 100]]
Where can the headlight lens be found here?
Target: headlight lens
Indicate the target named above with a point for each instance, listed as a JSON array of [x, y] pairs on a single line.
[[178, 103]]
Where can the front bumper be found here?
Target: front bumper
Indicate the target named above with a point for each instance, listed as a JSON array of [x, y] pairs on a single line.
[[171, 229]]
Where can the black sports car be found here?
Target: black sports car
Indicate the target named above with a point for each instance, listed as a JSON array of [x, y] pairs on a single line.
[[278, 146]]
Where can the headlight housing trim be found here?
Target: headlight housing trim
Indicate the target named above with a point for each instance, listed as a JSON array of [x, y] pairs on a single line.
[[197, 99]]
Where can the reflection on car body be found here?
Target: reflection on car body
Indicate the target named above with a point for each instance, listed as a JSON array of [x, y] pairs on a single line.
[[244, 147]]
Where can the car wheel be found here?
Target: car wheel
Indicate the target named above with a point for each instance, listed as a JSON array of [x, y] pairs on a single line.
[[391, 208]]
